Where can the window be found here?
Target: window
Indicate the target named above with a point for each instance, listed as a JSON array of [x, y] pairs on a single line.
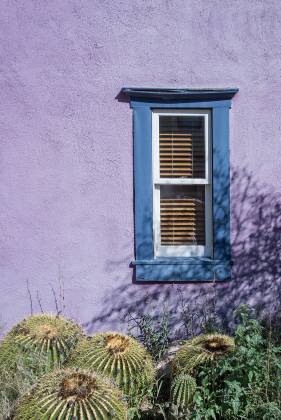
[[182, 211], [181, 182]]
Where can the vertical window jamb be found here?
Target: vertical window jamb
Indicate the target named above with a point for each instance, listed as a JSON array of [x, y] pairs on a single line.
[[208, 186], [155, 186]]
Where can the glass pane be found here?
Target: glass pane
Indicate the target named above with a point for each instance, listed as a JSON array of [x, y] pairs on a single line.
[[182, 146], [182, 215]]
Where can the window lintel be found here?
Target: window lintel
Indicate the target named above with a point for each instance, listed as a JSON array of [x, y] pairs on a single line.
[[179, 94]]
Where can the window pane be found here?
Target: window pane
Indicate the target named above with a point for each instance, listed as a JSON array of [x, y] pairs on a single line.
[[182, 215], [182, 146]]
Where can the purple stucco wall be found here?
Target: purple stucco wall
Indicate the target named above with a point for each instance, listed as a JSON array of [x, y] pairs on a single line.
[[66, 186]]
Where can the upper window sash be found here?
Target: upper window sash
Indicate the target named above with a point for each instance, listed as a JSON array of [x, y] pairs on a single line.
[[206, 114]]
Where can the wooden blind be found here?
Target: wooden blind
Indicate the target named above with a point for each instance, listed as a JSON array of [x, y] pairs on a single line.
[[182, 147], [182, 215]]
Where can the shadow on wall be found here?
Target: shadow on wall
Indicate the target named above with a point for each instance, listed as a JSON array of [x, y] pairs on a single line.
[[256, 271]]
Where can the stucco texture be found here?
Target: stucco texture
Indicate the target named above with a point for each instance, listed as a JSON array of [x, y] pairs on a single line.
[[66, 181]]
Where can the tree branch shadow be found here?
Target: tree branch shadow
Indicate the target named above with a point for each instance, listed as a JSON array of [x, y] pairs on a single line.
[[256, 270]]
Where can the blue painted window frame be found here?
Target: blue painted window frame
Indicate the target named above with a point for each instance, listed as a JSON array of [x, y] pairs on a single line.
[[154, 269]]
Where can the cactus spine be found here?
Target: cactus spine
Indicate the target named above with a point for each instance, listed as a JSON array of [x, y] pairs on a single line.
[[71, 394], [50, 337], [118, 356], [182, 390], [202, 349]]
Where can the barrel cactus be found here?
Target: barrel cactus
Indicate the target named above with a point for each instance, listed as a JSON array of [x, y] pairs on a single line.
[[72, 394], [48, 336], [202, 349], [182, 390], [118, 356]]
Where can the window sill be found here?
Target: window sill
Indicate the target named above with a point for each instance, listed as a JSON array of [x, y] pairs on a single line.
[[182, 270]]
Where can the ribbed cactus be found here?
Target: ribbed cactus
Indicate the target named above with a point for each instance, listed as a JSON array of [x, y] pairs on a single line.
[[118, 356], [182, 390], [51, 337], [202, 349], [71, 394]]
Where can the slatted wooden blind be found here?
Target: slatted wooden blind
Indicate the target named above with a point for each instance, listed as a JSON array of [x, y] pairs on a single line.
[[182, 216], [182, 155], [182, 147]]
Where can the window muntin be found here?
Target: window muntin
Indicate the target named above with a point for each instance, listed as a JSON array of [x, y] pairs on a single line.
[[182, 194]]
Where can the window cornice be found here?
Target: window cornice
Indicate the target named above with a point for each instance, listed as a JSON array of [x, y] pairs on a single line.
[[168, 94]]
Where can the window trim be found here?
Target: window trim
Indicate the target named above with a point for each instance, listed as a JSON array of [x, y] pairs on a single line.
[[176, 269], [188, 250]]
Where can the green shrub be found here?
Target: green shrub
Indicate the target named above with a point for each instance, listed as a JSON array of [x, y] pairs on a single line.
[[70, 394], [247, 383], [154, 334], [16, 375]]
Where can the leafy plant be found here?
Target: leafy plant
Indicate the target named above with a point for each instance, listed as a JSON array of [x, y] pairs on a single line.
[[16, 375], [153, 334], [71, 394], [199, 316], [247, 383]]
